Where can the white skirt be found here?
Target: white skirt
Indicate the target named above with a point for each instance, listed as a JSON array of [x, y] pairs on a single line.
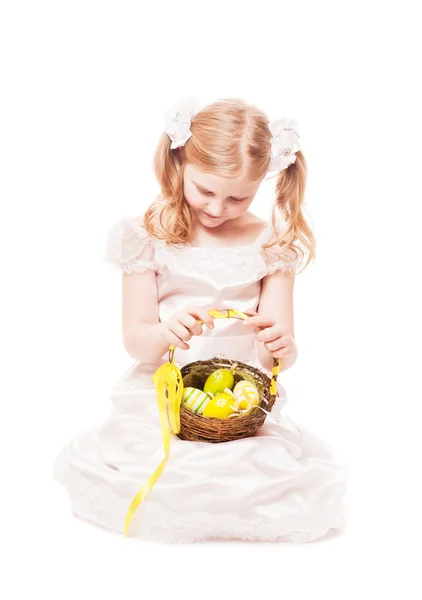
[[284, 484]]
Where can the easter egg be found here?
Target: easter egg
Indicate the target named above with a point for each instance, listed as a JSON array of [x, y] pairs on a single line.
[[195, 399], [220, 407], [246, 396], [217, 381]]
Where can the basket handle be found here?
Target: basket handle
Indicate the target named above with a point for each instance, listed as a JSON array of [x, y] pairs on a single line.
[[232, 313]]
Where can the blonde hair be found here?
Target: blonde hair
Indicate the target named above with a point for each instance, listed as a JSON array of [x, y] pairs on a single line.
[[229, 138]]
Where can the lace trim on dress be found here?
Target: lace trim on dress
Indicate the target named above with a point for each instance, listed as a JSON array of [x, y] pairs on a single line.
[[240, 258], [104, 507], [130, 247], [275, 260]]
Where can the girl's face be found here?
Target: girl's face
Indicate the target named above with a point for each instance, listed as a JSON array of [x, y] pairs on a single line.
[[213, 199]]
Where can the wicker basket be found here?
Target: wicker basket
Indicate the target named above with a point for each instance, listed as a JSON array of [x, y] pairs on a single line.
[[195, 427]]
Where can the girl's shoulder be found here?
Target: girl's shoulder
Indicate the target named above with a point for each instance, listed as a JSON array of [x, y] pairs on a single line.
[[279, 257], [128, 231], [129, 245]]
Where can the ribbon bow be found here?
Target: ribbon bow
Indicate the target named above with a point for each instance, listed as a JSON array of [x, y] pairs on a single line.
[[284, 143], [178, 120]]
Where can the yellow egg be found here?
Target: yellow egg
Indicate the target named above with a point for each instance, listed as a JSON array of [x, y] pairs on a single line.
[[218, 380], [246, 396], [220, 407]]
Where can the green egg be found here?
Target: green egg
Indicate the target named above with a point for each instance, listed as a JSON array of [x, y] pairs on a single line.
[[218, 381]]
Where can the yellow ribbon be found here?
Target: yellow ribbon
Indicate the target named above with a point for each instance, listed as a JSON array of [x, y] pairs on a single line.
[[275, 371], [168, 378]]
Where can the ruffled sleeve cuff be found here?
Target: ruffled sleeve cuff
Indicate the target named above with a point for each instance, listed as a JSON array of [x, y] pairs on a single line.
[[129, 247], [284, 261]]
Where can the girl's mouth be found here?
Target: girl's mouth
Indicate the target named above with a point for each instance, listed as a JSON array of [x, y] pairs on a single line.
[[211, 217]]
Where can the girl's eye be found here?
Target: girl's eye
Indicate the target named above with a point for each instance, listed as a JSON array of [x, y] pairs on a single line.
[[204, 193]]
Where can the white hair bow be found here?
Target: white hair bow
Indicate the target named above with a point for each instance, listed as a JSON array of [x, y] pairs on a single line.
[[178, 119], [284, 143], [284, 140]]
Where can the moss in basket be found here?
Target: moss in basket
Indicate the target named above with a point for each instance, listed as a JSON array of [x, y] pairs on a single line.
[[218, 381]]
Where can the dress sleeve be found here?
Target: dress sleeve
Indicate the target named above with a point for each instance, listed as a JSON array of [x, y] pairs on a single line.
[[277, 259], [130, 247]]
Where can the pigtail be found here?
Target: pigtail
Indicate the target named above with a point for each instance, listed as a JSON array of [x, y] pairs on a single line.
[[168, 217], [289, 204]]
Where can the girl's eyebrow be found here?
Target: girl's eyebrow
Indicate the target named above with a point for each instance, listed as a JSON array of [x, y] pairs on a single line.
[[200, 186], [205, 189]]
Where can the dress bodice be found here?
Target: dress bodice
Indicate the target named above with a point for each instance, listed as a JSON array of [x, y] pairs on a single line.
[[216, 277]]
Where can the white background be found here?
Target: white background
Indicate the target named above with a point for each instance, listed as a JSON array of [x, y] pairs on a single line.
[[85, 85]]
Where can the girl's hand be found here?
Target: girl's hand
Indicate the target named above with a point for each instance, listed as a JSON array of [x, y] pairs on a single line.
[[182, 325], [250, 311], [278, 341]]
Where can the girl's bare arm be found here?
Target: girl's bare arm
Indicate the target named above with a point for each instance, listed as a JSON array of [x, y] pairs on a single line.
[[141, 326]]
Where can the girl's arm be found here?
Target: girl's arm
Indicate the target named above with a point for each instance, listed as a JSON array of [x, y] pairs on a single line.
[[276, 301], [141, 325]]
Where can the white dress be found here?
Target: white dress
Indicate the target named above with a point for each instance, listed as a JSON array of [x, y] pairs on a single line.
[[284, 484]]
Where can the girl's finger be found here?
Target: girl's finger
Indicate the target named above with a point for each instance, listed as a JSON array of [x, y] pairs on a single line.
[[280, 353], [181, 331], [194, 325], [259, 321], [269, 334], [205, 317], [285, 348], [172, 338], [251, 312], [276, 345]]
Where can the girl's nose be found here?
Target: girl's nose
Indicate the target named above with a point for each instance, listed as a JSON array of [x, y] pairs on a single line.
[[215, 211]]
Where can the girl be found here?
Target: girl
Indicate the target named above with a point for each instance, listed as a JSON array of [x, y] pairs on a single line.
[[199, 247]]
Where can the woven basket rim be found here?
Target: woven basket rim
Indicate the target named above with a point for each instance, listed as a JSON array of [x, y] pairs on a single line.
[[197, 427]]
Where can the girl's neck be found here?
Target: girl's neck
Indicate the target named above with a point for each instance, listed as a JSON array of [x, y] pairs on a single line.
[[240, 232]]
